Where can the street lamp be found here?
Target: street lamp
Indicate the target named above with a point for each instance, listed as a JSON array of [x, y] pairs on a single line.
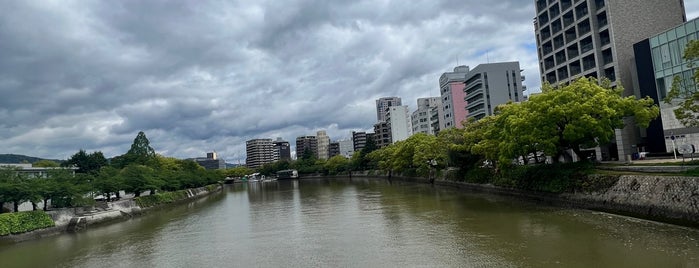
[[432, 164]]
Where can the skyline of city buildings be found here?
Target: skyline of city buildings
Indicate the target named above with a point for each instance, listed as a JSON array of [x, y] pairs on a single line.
[[574, 38]]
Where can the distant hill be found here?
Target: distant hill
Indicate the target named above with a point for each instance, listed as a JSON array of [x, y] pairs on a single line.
[[17, 159]]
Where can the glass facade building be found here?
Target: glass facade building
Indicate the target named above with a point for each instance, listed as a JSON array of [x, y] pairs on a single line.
[[667, 51]]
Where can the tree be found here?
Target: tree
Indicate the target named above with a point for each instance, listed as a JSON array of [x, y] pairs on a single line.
[[140, 153], [685, 90], [584, 113], [337, 164], [87, 163], [108, 181], [139, 178], [45, 163]]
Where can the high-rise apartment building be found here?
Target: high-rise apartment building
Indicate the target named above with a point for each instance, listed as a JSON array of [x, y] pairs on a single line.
[[382, 134], [304, 143], [281, 150], [451, 88], [398, 123], [422, 117], [333, 149], [491, 84], [323, 144], [259, 152], [382, 105], [358, 140], [346, 148], [594, 38]]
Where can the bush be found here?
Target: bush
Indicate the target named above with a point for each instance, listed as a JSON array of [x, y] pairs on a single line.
[[25, 221], [160, 198], [478, 175], [554, 178]]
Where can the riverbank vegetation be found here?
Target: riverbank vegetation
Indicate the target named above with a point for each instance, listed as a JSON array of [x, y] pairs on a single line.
[[137, 171], [25, 221]]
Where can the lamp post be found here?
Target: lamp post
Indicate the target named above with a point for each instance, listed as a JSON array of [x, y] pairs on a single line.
[[432, 163]]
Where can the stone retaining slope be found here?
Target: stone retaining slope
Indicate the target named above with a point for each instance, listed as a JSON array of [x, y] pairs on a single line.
[[674, 199], [661, 198]]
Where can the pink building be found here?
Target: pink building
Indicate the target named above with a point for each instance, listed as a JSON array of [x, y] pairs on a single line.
[[451, 86]]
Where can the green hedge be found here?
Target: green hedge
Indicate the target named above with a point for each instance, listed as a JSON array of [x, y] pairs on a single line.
[[160, 198], [25, 221]]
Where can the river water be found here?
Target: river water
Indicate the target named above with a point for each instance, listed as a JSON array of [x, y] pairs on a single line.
[[363, 223]]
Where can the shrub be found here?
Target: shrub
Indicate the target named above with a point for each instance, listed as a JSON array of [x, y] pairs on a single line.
[[25, 221], [160, 198]]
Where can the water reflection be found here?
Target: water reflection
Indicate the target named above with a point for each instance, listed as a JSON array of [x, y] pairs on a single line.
[[364, 223]]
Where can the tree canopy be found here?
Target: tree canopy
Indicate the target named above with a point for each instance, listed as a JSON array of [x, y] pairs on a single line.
[[685, 90]]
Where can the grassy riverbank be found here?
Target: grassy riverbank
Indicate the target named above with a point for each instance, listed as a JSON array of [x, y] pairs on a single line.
[[25, 221]]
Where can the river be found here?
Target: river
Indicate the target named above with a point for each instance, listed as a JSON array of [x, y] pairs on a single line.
[[363, 223]]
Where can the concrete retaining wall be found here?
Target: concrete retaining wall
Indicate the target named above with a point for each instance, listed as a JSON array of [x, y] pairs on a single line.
[[76, 219]]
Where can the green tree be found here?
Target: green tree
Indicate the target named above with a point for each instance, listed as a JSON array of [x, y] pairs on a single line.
[[86, 163], [108, 181], [140, 153], [139, 178], [684, 90], [337, 164], [45, 163], [583, 113]]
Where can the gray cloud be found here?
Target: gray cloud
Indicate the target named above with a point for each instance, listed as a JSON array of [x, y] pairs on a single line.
[[198, 76]]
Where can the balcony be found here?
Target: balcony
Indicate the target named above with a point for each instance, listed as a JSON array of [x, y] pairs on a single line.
[[473, 87]]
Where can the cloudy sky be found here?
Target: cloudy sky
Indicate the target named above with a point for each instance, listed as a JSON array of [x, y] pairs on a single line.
[[198, 76]]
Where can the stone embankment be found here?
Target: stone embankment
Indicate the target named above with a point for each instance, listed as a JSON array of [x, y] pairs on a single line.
[[672, 199], [76, 219]]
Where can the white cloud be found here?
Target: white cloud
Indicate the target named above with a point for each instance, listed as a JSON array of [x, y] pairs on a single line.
[[208, 75]]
